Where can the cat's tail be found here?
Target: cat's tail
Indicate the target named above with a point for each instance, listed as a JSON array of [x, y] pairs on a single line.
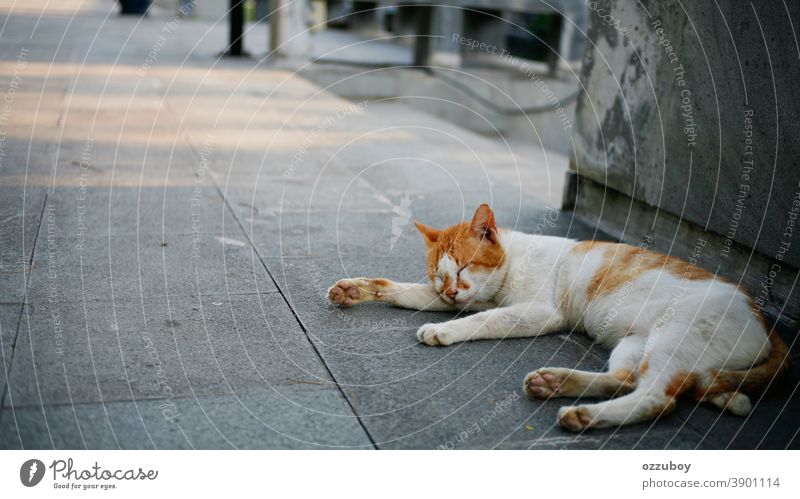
[[727, 389]]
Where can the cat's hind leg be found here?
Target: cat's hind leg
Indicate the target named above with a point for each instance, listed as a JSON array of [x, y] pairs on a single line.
[[660, 380], [549, 382], [644, 403]]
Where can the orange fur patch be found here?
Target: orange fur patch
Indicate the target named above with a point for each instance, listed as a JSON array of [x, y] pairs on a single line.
[[623, 263], [587, 246], [680, 268], [381, 283], [624, 375], [618, 268], [680, 383], [447, 281], [713, 384]]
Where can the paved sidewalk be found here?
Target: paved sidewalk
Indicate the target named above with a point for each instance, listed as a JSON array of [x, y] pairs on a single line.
[[170, 222]]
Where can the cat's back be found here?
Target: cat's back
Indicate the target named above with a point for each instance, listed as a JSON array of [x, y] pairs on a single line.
[[622, 288], [603, 268]]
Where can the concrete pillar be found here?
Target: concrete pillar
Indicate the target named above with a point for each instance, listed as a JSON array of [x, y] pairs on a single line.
[[434, 45], [446, 22], [289, 30]]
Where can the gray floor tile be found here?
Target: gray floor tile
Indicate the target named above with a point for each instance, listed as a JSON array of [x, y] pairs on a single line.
[[305, 417], [147, 211], [71, 353], [136, 267]]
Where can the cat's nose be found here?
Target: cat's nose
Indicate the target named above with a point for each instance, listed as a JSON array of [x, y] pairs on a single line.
[[451, 293]]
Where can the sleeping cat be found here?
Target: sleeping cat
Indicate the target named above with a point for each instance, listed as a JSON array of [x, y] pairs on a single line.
[[674, 328]]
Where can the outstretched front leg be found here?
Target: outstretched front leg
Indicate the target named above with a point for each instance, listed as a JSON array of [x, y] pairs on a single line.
[[516, 321], [416, 296]]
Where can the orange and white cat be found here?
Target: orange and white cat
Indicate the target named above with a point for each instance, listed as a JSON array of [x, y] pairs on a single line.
[[674, 328]]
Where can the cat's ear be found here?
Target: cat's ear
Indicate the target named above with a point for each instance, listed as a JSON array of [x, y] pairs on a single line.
[[483, 224], [430, 234]]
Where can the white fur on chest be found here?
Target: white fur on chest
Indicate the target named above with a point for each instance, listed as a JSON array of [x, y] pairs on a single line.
[[532, 266]]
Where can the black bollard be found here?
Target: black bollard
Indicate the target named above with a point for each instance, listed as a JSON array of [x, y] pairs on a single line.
[[236, 19]]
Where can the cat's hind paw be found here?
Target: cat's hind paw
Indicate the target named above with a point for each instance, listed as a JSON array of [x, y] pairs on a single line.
[[576, 418], [543, 384], [433, 335]]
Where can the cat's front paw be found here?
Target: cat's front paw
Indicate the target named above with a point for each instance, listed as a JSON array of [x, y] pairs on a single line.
[[348, 292], [434, 335], [575, 418]]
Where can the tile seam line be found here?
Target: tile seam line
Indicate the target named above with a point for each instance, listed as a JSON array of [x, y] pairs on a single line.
[[253, 247], [22, 308], [297, 318]]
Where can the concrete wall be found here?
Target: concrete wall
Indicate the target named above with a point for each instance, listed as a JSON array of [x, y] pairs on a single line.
[[688, 130]]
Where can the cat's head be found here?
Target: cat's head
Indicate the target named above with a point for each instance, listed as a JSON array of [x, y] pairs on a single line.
[[463, 260]]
